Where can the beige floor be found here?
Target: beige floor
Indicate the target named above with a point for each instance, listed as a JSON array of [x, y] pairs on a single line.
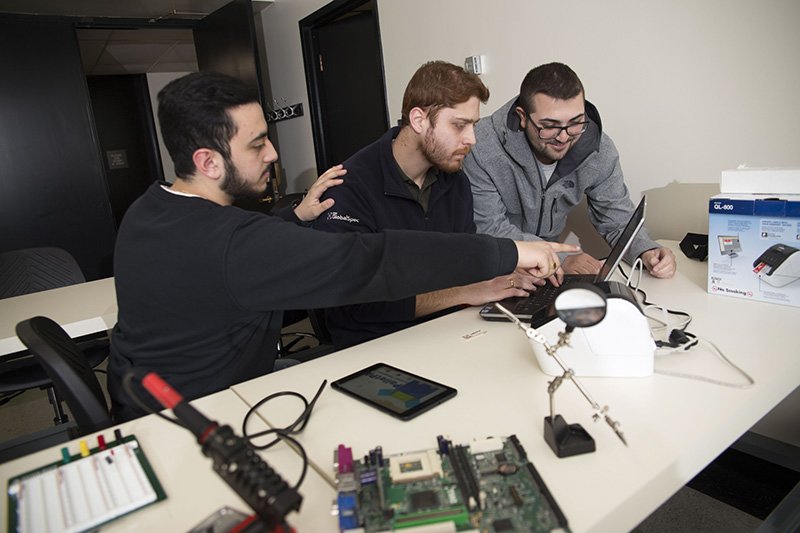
[[31, 411]]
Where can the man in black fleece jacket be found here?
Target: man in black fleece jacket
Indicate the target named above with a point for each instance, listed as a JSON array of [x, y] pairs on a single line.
[[201, 284]]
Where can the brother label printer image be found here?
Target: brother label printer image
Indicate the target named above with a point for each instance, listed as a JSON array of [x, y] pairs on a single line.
[[779, 265]]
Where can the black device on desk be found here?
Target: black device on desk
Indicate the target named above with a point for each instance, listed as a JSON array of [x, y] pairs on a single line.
[[396, 392], [538, 307]]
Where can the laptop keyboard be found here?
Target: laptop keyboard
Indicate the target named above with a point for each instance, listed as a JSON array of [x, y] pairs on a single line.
[[542, 297]]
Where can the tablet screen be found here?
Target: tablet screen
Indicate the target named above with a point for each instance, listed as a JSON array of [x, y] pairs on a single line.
[[394, 391]]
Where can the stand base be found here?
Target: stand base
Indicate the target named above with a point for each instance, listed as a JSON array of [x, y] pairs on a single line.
[[565, 439]]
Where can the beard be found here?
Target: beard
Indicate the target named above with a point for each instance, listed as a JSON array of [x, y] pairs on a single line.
[[439, 157], [546, 154], [236, 186]]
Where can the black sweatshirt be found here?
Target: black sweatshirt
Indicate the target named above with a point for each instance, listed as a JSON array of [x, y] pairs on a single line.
[[201, 287]]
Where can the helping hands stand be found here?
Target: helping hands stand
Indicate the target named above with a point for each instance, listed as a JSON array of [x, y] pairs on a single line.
[[565, 439]]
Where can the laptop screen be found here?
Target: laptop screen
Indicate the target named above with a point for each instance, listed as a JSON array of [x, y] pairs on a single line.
[[623, 242]]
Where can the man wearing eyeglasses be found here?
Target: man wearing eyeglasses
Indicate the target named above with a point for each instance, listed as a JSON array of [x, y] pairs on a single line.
[[537, 156]]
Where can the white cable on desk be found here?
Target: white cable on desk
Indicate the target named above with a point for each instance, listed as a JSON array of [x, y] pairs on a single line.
[[638, 266], [664, 320], [681, 326], [719, 354]]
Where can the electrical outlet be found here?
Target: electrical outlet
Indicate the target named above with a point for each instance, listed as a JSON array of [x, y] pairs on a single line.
[[475, 64]]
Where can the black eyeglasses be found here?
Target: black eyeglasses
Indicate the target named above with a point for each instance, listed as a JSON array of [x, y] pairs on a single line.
[[551, 132]]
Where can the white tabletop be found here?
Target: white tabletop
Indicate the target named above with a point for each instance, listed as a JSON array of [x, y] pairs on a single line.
[[80, 309], [674, 426], [193, 489]]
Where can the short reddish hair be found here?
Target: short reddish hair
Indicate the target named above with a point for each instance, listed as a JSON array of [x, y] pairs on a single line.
[[438, 84]]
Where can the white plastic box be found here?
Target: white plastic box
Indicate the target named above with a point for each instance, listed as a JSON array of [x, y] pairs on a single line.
[[754, 247], [752, 180]]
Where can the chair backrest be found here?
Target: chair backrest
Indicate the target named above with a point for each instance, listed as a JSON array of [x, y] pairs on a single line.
[[320, 325], [292, 199], [37, 269], [69, 371]]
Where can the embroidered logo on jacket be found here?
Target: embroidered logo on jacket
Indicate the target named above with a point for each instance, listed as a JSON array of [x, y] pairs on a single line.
[[334, 215]]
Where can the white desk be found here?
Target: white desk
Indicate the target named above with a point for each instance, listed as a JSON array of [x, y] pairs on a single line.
[[80, 309], [674, 426], [193, 489]]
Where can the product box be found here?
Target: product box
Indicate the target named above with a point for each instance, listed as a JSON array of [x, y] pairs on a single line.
[[754, 247], [760, 181]]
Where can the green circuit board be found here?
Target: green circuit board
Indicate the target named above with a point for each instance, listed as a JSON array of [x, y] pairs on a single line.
[[487, 486]]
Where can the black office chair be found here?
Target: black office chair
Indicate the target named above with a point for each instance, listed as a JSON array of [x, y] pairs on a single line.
[[69, 370], [289, 345], [37, 269], [320, 326], [291, 200], [32, 270]]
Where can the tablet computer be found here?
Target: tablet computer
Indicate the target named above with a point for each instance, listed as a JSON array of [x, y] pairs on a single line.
[[396, 392]]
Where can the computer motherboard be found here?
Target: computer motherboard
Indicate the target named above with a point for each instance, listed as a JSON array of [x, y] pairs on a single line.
[[488, 486]]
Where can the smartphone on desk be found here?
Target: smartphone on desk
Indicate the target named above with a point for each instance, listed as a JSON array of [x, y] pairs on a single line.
[[395, 392]]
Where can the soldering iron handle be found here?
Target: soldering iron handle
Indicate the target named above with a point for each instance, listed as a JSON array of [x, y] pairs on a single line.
[[234, 459]]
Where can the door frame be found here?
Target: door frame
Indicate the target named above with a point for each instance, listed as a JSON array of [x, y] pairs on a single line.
[[310, 46]]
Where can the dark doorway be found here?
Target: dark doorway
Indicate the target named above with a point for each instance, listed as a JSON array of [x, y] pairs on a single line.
[[52, 184], [125, 128], [222, 41], [344, 75], [225, 41]]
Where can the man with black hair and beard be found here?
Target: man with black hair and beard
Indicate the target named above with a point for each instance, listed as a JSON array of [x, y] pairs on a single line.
[[201, 285], [411, 179]]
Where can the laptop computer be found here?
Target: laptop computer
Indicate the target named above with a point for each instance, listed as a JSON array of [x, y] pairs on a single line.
[[538, 307]]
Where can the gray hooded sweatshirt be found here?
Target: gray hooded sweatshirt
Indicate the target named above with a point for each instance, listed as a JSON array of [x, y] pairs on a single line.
[[512, 199]]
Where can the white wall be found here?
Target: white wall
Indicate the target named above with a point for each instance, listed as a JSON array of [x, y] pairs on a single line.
[[155, 82], [685, 88]]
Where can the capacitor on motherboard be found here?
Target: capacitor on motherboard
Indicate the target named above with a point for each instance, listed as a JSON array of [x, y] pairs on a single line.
[[444, 445], [373, 457]]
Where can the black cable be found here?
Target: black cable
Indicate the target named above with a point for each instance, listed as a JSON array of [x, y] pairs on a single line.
[[285, 433]]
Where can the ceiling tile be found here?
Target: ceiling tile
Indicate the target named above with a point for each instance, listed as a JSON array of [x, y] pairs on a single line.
[[137, 52]]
